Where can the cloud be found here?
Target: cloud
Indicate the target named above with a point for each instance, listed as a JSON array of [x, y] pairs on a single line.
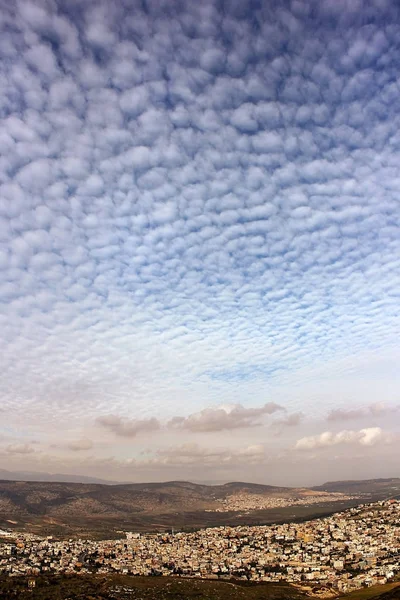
[[290, 420], [342, 414], [19, 449], [224, 418], [80, 445], [380, 408], [194, 454], [128, 428], [217, 419], [377, 409], [197, 212], [364, 437]]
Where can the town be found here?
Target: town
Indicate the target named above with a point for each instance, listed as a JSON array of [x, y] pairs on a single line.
[[348, 550], [244, 502]]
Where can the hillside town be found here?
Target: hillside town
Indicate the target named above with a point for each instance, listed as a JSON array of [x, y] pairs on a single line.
[[244, 502], [348, 550]]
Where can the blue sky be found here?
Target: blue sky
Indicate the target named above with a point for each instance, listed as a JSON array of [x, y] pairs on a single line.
[[199, 238]]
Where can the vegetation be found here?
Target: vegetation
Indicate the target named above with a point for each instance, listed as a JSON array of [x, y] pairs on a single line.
[[123, 587], [117, 587], [387, 591]]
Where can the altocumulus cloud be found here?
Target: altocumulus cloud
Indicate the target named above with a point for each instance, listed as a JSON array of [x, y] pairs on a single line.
[[198, 201]]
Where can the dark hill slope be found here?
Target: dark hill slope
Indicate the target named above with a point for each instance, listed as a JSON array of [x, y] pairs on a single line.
[[117, 587]]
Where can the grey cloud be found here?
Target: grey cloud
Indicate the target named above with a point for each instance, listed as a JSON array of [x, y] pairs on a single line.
[[194, 454], [80, 445], [289, 420], [224, 418], [342, 414], [293, 419], [377, 409], [128, 428]]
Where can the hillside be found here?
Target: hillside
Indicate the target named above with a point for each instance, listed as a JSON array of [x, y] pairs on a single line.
[[119, 587], [86, 509], [141, 588]]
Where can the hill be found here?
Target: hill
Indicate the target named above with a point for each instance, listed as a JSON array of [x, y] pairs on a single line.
[[87, 509], [43, 476], [374, 488]]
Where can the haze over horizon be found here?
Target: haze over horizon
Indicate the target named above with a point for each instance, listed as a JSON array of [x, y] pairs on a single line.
[[200, 239]]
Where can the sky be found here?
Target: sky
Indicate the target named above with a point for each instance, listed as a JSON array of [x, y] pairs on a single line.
[[200, 239]]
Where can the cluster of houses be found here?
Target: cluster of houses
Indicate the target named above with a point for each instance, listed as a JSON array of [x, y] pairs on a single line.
[[348, 550], [244, 502]]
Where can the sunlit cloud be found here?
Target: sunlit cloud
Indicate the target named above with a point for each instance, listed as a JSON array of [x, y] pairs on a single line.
[[365, 437]]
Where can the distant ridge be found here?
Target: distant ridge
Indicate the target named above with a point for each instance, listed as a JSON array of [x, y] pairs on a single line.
[[388, 485], [48, 477], [356, 481], [344, 486]]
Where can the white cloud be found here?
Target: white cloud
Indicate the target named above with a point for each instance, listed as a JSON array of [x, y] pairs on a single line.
[[365, 437]]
